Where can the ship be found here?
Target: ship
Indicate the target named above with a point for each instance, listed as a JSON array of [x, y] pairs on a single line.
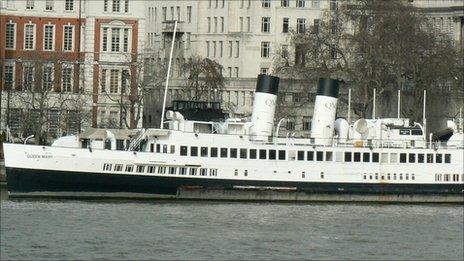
[[368, 160]]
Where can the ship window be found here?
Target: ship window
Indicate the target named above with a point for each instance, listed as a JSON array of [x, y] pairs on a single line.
[[193, 172], [204, 151], [183, 150], [272, 154], [161, 169], [382, 177], [455, 177], [416, 132], [213, 172], [322, 175], [437, 177], [165, 148], [140, 169], [347, 156], [301, 155], [203, 172], [384, 157], [236, 172], [370, 176], [412, 177], [412, 158], [328, 156], [281, 154], [214, 152], [252, 153], [118, 167], [152, 147], [151, 169], [310, 156], [303, 174], [375, 157], [245, 173], [107, 167], [319, 155], [439, 158], [376, 175], [394, 176], [364, 176], [129, 168], [233, 153], [173, 149], [262, 154], [403, 158], [446, 177], [447, 158], [172, 170], [223, 152], [193, 151], [366, 157], [393, 157], [401, 176], [429, 158], [420, 158], [339, 156], [182, 171], [406, 176], [357, 157], [243, 153], [291, 155], [388, 176], [158, 148]]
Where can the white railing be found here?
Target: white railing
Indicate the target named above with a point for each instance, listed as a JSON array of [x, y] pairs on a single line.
[[137, 140]]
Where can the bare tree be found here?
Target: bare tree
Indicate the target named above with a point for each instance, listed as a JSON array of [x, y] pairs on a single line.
[[204, 79]]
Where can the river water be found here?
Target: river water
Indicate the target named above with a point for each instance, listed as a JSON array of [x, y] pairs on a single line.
[[67, 229]]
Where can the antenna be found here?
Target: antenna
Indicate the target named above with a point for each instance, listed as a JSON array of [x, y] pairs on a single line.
[[168, 74], [424, 120], [373, 106], [349, 106], [399, 103]]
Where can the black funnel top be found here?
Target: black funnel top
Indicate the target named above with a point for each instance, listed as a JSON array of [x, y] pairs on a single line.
[[267, 84], [328, 87]]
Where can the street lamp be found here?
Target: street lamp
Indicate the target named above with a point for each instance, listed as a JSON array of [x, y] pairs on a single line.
[[124, 77]]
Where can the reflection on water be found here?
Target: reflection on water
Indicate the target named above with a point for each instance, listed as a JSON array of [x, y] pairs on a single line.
[[3, 191]]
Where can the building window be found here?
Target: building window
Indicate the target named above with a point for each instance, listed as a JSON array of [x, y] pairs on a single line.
[[29, 37], [104, 73], [114, 81], [67, 78], [290, 125], [68, 38], [236, 72], [178, 13], [189, 14], [164, 13], [315, 3], [30, 4], [285, 3], [215, 24], [209, 24], [306, 123], [28, 77], [49, 37], [333, 5], [333, 52], [237, 44], [49, 5], [316, 26], [126, 40], [248, 24], [265, 24], [116, 6], [265, 49], [69, 5], [266, 3], [8, 76], [222, 24], [115, 39], [105, 5], [285, 25], [10, 36], [300, 3], [105, 40], [300, 25], [126, 6], [47, 76], [263, 70]]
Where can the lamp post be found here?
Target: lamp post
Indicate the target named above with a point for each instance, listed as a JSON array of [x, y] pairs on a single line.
[[124, 77]]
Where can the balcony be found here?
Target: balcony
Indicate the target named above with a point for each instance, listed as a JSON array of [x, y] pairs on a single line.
[[167, 27]]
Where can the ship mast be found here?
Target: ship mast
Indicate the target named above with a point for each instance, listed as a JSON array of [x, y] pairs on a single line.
[[168, 74]]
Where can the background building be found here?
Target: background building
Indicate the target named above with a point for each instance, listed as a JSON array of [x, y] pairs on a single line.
[[80, 56]]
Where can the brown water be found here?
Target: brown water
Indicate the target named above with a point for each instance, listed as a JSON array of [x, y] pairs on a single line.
[[87, 230]]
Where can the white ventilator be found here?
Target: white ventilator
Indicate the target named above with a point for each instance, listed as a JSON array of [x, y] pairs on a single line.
[[264, 105], [325, 109]]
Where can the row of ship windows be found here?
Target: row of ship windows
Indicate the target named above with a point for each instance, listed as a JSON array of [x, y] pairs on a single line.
[[448, 177], [348, 156], [192, 171], [388, 176]]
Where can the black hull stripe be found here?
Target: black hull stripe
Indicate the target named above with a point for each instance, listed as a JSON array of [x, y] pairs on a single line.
[[29, 180]]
